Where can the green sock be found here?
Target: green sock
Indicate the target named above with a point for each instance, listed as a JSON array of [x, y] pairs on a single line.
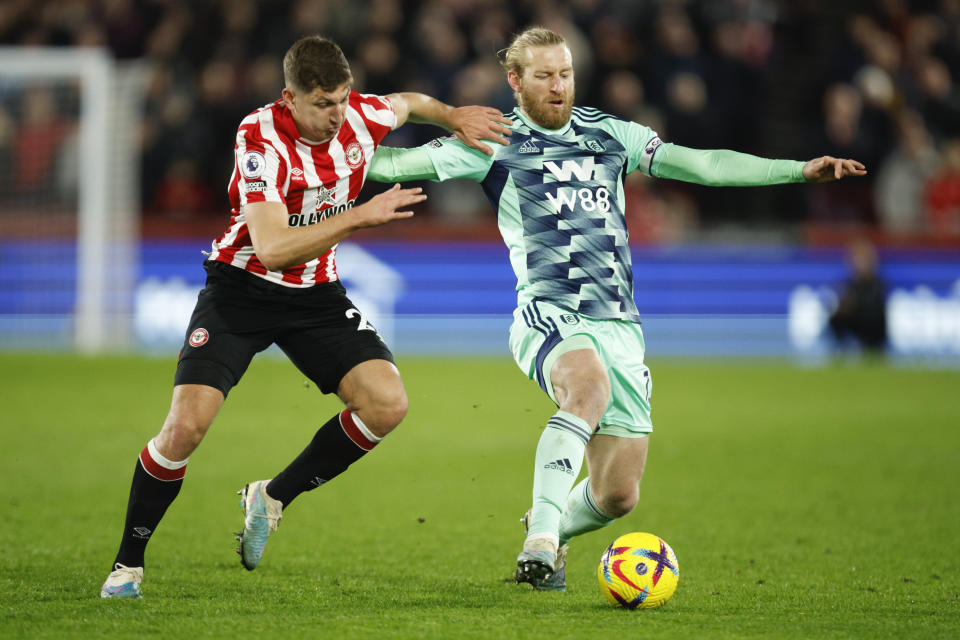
[[558, 461], [581, 513]]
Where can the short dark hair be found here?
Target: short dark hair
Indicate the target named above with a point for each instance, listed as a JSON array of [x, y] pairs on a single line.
[[315, 61]]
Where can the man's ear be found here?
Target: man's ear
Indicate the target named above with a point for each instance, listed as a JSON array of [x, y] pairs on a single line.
[[288, 96], [513, 79]]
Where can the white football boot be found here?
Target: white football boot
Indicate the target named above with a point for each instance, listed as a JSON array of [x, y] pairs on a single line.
[[261, 515], [123, 582]]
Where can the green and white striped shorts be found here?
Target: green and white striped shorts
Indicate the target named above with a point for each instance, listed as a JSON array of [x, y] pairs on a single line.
[[542, 332]]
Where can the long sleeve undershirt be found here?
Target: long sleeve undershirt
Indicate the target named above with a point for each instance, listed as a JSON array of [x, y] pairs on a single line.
[[724, 168], [712, 167], [393, 164]]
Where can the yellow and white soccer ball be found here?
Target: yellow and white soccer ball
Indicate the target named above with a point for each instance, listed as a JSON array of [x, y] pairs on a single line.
[[638, 571]]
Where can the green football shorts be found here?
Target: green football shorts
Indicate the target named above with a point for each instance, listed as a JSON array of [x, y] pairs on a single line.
[[542, 332]]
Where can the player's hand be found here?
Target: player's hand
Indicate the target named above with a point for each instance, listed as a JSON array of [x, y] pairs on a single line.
[[387, 206], [473, 124], [828, 169]]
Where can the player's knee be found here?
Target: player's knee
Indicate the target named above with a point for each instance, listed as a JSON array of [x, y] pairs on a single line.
[[385, 412], [589, 399], [619, 501], [395, 411], [180, 436]]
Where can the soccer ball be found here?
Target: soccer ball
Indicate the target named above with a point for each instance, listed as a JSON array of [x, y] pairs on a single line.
[[638, 571]]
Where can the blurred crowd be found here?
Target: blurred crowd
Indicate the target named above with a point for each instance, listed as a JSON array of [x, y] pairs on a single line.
[[872, 81]]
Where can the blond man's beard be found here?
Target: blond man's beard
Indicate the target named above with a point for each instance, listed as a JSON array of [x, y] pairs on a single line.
[[543, 114]]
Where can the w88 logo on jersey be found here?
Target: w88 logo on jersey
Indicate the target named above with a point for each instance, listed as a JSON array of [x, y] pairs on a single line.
[[595, 197], [583, 198]]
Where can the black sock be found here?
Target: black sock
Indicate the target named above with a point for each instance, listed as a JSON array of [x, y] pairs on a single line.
[[150, 495], [337, 444]]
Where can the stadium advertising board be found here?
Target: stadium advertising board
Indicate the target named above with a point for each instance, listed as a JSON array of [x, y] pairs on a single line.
[[458, 298]]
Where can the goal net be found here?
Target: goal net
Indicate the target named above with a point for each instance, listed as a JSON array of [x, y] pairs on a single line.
[[68, 199]]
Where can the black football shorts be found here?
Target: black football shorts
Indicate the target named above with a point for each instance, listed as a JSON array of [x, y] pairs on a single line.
[[238, 315]]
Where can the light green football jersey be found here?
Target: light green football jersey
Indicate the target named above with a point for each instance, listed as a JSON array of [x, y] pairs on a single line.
[[560, 206]]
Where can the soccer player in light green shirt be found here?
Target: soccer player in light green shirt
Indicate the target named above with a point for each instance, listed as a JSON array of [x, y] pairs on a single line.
[[557, 187]]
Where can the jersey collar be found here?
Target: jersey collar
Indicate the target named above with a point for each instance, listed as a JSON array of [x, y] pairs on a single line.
[[553, 132]]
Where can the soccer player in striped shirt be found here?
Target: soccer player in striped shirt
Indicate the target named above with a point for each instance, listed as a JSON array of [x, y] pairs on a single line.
[[272, 279], [558, 192]]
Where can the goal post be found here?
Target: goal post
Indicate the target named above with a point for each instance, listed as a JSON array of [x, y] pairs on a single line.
[[102, 215]]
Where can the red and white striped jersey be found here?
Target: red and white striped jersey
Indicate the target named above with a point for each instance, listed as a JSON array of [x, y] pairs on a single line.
[[314, 181]]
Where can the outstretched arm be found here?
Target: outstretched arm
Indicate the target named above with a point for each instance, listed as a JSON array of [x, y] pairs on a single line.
[[724, 168], [470, 124], [392, 164], [280, 246]]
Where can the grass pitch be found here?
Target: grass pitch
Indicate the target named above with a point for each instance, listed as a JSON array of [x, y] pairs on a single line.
[[802, 503]]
